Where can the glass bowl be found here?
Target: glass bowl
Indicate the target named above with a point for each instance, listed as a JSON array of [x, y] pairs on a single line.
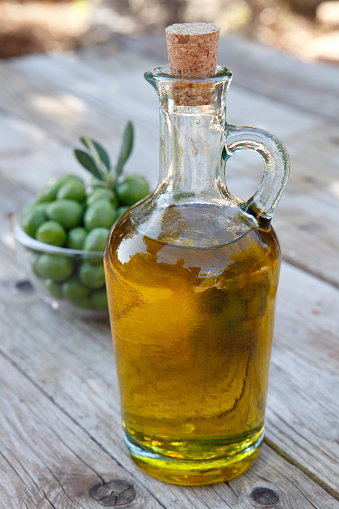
[[69, 280]]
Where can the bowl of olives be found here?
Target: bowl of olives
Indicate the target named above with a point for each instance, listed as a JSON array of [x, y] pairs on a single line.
[[62, 234]]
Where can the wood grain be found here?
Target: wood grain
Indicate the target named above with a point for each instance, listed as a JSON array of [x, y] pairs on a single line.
[[303, 409], [73, 363], [48, 460], [60, 416], [67, 365], [57, 94]]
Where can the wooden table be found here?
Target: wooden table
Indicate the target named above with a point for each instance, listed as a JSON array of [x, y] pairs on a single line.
[[60, 430]]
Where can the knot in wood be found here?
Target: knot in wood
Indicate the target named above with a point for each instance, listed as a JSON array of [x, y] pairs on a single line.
[[113, 493], [24, 286], [264, 496]]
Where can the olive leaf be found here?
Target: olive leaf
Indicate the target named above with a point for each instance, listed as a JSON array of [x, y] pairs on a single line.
[[87, 162], [98, 152], [126, 147], [97, 161]]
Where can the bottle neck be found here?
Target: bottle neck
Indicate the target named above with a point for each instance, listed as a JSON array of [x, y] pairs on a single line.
[[191, 205], [191, 150], [192, 134]]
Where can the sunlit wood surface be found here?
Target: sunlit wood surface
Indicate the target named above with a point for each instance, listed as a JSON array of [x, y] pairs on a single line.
[[60, 431]]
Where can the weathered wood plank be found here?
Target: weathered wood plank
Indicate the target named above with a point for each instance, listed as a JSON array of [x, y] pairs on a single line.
[[303, 407], [19, 136], [305, 220], [56, 363], [73, 363], [51, 462], [65, 103], [36, 167], [49, 91], [57, 90]]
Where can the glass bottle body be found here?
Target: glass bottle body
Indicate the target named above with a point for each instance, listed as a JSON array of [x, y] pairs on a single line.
[[192, 281]]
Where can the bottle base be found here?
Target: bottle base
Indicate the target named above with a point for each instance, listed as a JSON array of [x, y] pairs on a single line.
[[195, 472]]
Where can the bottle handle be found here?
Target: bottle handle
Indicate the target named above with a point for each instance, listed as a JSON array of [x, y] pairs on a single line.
[[276, 168]]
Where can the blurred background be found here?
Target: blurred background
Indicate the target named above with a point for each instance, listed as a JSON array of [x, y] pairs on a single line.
[[306, 28]]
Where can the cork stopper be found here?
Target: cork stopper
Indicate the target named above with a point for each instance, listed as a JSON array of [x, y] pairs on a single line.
[[192, 49]]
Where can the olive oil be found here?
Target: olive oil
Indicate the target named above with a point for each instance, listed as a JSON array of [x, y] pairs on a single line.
[[193, 311]]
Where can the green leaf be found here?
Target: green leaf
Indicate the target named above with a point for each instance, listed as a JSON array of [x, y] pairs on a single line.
[[126, 147], [98, 152], [94, 154], [87, 162]]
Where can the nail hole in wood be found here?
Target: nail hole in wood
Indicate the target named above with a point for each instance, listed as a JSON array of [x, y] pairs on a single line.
[[264, 496], [24, 286], [114, 493]]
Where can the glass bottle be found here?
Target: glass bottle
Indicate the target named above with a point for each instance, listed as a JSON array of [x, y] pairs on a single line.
[[192, 274]]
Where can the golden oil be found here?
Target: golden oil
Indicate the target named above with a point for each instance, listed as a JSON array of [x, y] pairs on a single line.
[[193, 315]]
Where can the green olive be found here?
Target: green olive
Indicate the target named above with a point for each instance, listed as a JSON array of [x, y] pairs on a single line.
[[69, 176], [92, 276], [48, 192], [132, 189], [51, 232], [99, 299], [83, 303], [32, 216], [54, 266], [100, 213], [54, 288], [135, 176], [76, 237], [67, 212], [72, 190], [73, 289], [96, 239], [102, 194]]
